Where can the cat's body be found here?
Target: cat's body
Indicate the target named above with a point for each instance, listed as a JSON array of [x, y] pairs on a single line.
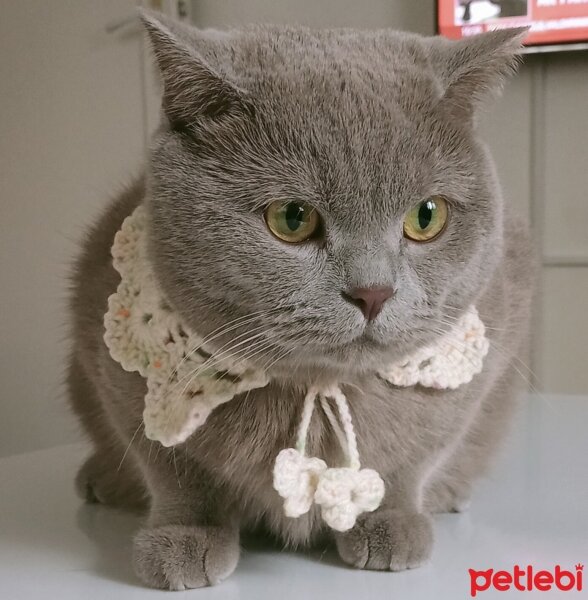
[[428, 445]]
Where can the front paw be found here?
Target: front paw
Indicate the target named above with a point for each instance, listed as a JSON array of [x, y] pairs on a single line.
[[387, 540], [177, 557]]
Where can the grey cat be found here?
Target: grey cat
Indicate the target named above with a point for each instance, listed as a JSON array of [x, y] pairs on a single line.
[[362, 126]]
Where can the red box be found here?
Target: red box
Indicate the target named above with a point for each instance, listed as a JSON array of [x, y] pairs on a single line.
[[551, 21]]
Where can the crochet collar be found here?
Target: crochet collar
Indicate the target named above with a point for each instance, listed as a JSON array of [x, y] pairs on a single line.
[[184, 383]]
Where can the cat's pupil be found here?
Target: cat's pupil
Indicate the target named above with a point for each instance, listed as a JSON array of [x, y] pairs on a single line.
[[294, 216], [426, 214]]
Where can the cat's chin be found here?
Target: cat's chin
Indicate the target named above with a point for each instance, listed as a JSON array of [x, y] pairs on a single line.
[[317, 362], [366, 352]]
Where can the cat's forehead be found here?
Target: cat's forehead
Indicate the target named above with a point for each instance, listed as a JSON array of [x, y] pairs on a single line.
[[333, 65]]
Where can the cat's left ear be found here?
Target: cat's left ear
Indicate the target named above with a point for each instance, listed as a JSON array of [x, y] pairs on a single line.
[[193, 89], [475, 68]]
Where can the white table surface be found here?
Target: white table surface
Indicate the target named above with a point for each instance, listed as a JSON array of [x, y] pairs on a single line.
[[532, 510]]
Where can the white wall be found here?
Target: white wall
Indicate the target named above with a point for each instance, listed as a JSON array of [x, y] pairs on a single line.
[[538, 134], [72, 131], [416, 15]]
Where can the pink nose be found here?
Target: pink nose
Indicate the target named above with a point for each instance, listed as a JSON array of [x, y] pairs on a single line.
[[369, 300]]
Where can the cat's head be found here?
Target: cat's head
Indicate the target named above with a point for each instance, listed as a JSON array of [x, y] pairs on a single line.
[[297, 170]]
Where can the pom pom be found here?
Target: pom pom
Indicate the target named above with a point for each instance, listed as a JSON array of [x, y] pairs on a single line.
[[344, 494], [295, 479]]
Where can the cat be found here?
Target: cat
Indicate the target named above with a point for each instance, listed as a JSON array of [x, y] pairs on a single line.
[[362, 126]]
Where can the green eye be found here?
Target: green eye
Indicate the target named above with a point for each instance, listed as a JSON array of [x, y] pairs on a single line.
[[292, 222], [426, 220]]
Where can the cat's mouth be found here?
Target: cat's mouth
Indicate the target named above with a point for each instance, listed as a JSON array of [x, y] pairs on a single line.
[[364, 349], [360, 351], [367, 341]]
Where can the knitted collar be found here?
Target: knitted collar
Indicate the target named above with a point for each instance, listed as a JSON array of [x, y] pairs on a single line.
[[185, 382]]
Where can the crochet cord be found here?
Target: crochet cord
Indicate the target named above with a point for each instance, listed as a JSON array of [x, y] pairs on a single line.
[[347, 423], [335, 425], [307, 411], [349, 445]]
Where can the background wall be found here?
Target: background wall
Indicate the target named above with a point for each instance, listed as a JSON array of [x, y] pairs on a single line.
[[78, 99], [71, 132]]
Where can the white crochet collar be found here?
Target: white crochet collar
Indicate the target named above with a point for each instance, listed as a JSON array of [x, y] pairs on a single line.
[[184, 385]]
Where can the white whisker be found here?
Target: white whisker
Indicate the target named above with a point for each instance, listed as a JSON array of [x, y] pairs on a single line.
[[129, 446]]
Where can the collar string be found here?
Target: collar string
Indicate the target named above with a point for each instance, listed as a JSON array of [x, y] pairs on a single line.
[[342, 493]]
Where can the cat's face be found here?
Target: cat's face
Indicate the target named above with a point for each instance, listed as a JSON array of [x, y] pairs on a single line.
[[361, 128]]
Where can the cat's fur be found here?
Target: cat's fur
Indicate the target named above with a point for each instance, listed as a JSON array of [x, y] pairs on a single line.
[[363, 125]]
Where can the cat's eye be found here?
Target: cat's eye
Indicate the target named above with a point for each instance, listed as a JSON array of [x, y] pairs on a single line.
[[426, 220], [292, 222]]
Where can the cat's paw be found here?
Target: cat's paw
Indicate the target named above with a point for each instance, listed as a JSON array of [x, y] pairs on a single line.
[[178, 557], [100, 481], [387, 540]]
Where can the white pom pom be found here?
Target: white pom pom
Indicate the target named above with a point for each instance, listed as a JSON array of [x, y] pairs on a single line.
[[295, 479], [344, 494]]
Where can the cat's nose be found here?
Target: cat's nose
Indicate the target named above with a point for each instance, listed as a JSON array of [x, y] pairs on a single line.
[[369, 300]]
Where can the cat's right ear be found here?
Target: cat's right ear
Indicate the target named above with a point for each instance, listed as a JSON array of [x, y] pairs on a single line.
[[192, 90]]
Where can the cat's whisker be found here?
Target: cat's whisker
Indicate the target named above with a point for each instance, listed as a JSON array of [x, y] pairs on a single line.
[[150, 450], [487, 327], [452, 344], [263, 349], [519, 360], [223, 330], [532, 387], [251, 351], [452, 321], [209, 364], [483, 316], [216, 357], [226, 328], [264, 344], [505, 354], [511, 355], [280, 357], [226, 354], [141, 424], [176, 467], [272, 334]]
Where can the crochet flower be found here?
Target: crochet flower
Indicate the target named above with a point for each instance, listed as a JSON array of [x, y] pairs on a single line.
[[295, 479], [345, 493]]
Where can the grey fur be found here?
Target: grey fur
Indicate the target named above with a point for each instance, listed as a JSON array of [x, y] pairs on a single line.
[[363, 125]]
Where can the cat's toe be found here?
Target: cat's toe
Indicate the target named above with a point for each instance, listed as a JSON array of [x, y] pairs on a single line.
[[387, 540], [178, 557]]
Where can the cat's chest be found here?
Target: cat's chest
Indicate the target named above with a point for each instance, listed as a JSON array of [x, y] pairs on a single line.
[[243, 437]]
